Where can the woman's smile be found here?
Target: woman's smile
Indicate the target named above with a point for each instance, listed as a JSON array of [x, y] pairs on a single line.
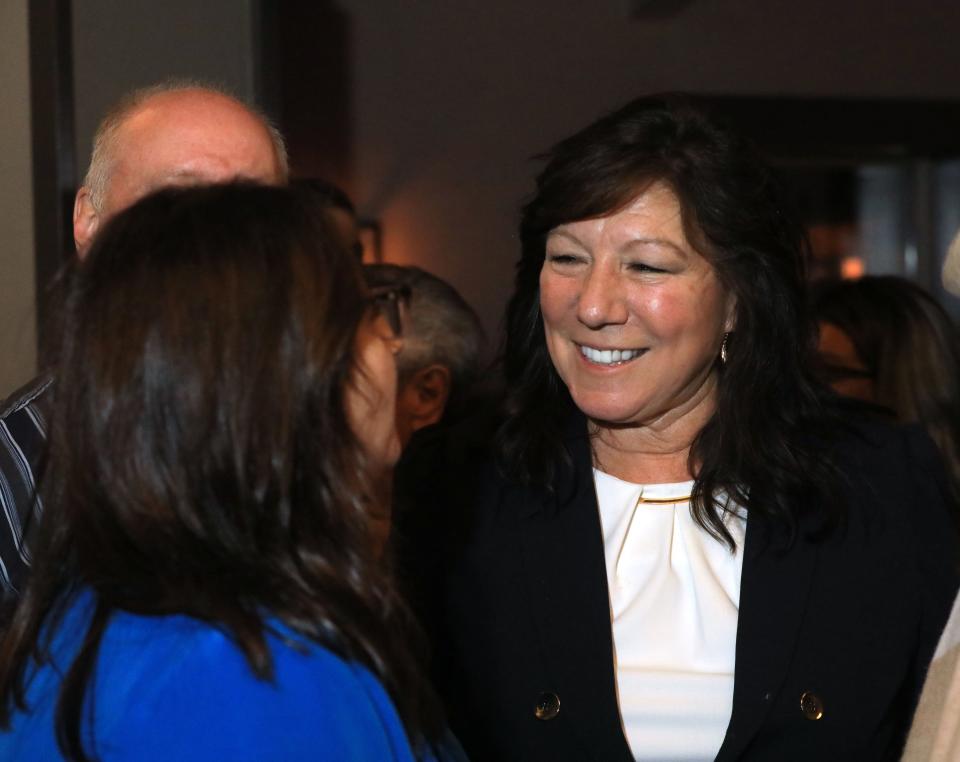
[[609, 357]]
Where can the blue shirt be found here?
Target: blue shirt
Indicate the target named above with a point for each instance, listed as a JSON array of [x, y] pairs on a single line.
[[174, 688]]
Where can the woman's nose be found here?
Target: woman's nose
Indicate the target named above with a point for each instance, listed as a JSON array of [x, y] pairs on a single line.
[[601, 300]]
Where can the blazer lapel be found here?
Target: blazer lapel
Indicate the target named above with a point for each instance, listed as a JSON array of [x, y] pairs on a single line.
[[565, 572], [773, 594]]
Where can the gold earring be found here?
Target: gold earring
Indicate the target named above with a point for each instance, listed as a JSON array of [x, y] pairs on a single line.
[[723, 349]]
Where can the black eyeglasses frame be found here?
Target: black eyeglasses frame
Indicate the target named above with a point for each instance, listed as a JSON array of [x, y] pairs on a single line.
[[390, 302]]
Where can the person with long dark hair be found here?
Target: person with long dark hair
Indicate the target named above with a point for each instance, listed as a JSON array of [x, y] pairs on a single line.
[[205, 584], [674, 548], [887, 342]]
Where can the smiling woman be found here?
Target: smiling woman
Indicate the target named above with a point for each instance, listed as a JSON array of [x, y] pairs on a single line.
[[634, 319], [695, 553]]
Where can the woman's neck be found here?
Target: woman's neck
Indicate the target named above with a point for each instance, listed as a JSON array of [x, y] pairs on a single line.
[[656, 451]]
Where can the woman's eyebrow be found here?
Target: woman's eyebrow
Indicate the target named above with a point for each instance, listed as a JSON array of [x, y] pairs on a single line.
[[556, 233], [660, 242]]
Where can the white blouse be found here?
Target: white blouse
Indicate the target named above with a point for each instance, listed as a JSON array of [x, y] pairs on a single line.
[[674, 601]]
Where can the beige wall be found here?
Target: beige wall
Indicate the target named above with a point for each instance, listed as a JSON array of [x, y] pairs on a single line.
[[17, 321], [452, 99], [119, 45]]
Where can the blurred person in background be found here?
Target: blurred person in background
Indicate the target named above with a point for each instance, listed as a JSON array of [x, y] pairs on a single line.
[[171, 134], [438, 368], [205, 584], [443, 343], [887, 342]]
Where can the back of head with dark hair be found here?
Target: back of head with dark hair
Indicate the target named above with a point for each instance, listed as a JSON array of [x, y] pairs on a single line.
[[326, 193], [909, 345], [735, 215], [201, 459]]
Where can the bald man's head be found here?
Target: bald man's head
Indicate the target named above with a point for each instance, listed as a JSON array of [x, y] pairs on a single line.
[[173, 135]]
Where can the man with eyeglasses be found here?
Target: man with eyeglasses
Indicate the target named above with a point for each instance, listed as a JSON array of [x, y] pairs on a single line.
[[443, 341]]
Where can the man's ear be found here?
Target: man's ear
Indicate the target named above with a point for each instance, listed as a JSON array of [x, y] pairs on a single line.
[[86, 221], [425, 395]]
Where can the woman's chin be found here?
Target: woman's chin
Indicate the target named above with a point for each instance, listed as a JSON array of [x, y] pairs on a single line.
[[611, 414]]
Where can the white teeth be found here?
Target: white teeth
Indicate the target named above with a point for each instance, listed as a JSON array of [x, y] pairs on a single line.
[[609, 356]]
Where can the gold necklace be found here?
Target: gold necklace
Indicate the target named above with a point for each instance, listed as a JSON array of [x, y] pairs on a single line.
[[660, 500]]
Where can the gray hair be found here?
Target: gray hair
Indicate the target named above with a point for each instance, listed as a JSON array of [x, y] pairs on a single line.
[[105, 138], [441, 327]]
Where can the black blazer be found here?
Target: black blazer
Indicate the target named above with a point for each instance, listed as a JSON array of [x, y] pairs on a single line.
[[511, 585]]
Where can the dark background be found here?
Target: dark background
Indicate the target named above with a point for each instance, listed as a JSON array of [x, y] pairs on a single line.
[[429, 113]]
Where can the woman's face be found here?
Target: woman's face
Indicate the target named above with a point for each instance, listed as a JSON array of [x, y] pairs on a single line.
[[634, 316], [371, 395]]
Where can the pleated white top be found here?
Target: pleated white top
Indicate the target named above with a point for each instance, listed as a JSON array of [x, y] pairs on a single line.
[[674, 602]]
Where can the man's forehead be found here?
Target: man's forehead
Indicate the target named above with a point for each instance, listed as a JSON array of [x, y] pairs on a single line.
[[187, 139], [192, 114]]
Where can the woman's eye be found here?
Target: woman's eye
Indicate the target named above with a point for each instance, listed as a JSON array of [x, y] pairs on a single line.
[[562, 259], [642, 267]]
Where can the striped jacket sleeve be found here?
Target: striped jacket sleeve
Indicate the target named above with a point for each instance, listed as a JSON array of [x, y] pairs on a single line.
[[23, 435]]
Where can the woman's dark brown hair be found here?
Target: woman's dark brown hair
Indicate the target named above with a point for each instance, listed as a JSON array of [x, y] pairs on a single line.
[[758, 448], [201, 462]]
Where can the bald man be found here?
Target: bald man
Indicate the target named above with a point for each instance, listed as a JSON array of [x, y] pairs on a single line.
[[167, 134]]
